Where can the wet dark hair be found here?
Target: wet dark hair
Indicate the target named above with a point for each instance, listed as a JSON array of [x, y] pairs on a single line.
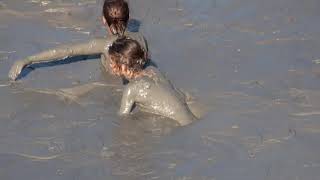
[[127, 58], [116, 13]]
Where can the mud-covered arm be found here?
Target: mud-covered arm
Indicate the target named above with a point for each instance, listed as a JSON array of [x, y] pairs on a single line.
[[127, 100], [95, 46], [144, 45], [142, 41]]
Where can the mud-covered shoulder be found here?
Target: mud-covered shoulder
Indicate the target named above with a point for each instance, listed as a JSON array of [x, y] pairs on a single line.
[[140, 38], [141, 83], [156, 75], [140, 87]]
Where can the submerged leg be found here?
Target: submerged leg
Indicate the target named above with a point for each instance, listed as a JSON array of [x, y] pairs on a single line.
[[72, 94], [81, 90], [61, 94]]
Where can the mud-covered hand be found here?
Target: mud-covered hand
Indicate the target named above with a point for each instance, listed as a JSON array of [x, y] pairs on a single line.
[[16, 69]]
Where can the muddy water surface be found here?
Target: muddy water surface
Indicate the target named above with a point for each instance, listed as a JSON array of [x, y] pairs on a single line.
[[253, 64]]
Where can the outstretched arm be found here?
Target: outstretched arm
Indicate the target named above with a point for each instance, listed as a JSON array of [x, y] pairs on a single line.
[[95, 46], [143, 42], [127, 101], [147, 54]]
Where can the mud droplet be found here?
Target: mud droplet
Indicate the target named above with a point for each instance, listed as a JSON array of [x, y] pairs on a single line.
[[316, 61], [235, 127], [106, 153], [45, 3], [48, 116], [188, 24], [172, 165], [59, 172]]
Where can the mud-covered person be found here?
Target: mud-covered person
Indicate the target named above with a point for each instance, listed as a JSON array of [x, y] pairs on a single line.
[[147, 87], [115, 16]]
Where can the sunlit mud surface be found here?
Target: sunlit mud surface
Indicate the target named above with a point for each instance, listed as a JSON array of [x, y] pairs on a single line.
[[252, 65]]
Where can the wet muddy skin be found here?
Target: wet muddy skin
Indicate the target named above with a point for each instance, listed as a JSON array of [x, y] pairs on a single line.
[[253, 64], [155, 94], [96, 46]]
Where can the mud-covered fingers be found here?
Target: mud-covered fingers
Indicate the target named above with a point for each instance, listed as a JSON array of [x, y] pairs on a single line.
[[13, 73], [16, 70]]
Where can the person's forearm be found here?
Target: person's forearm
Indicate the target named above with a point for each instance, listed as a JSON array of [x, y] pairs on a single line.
[[47, 56], [62, 52]]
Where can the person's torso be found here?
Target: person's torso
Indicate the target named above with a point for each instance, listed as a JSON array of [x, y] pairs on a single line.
[[156, 94]]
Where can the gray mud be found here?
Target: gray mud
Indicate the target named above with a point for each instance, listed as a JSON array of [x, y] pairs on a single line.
[[253, 64]]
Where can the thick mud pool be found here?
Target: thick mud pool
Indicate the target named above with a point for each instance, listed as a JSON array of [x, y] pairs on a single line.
[[253, 65]]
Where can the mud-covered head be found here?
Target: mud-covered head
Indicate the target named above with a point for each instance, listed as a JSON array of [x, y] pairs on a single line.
[[127, 58], [116, 15]]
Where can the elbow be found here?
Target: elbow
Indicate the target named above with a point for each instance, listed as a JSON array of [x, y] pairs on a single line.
[[125, 108], [184, 122], [123, 112]]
